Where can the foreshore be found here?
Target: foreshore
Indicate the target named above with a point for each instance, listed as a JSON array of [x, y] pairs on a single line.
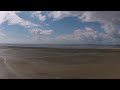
[[59, 63]]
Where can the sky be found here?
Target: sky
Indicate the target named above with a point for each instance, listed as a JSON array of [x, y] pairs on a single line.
[[60, 27]]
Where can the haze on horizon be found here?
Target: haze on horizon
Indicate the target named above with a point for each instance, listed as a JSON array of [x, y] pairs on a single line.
[[60, 27]]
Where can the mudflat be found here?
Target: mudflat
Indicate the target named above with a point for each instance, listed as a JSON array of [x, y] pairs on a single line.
[[52, 63]]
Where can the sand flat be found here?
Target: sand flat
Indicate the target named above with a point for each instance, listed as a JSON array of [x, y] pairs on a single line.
[[51, 63]]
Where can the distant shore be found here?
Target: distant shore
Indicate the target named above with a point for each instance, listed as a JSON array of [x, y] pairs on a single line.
[[63, 46], [59, 47]]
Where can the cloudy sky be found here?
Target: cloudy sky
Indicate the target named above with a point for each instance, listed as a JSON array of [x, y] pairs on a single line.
[[60, 27]]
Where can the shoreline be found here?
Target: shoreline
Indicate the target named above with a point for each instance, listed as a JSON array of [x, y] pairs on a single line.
[[98, 48]]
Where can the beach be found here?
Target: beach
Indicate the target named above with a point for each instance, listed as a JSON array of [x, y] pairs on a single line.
[[59, 63]]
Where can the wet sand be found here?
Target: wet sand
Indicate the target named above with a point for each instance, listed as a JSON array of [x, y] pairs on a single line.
[[51, 63]]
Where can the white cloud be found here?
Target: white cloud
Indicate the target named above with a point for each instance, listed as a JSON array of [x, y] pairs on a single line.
[[12, 18], [2, 34], [41, 32], [108, 19], [88, 16], [57, 15], [39, 15], [43, 36], [86, 36]]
